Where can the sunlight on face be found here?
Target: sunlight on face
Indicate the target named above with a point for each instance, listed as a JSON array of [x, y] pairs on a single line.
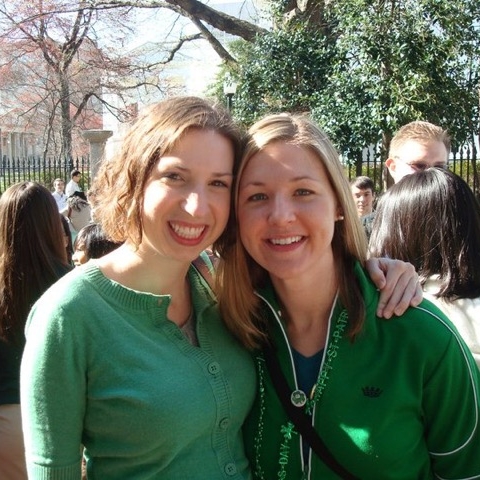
[[414, 156], [79, 257], [187, 197], [287, 211]]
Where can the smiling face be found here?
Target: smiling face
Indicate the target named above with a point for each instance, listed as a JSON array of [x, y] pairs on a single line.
[[187, 196], [363, 198], [287, 211]]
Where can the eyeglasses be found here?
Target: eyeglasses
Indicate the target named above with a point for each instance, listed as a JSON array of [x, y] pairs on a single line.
[[421, 166]]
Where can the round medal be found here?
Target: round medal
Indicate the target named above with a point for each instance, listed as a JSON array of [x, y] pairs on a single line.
[[298, 398]]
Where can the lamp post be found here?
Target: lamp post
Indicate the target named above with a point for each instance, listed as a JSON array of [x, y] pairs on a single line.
[[229, 89]]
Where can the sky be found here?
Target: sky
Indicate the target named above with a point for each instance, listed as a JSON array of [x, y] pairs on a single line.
[[196, 64]]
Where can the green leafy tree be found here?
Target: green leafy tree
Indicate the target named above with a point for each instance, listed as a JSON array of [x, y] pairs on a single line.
[[270, 82], [364, 68], [399, 61]]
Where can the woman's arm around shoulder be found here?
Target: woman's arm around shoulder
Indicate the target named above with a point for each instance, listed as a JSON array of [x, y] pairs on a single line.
[[398, 284]]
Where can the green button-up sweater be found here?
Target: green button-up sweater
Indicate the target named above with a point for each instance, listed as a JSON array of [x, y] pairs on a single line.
[[103, 367]]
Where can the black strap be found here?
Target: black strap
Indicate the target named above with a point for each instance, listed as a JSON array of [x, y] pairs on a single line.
[[299, 417]]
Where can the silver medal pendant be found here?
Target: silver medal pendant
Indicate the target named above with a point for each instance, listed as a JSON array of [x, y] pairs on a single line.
[[298, 398]]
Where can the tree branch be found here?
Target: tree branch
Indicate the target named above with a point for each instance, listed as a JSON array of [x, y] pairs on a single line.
[[177, 47], [212, 40], [219, 20]]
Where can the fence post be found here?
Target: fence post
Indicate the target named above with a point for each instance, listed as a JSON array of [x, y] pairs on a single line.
[[97, 140]]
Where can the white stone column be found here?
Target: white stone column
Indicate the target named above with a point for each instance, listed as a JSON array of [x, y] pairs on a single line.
[[97, 140]]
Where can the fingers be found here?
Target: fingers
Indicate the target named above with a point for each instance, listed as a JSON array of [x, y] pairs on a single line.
[[375, 271], [402, 289]]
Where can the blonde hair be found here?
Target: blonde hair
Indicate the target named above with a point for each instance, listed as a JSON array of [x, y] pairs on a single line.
[[120, 182], [421, 132], [239, 275]]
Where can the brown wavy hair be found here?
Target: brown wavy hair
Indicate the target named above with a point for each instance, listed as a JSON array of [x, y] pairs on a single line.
[[120, 183]]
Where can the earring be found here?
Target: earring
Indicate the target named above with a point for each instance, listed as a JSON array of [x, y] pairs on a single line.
[[340, 218]]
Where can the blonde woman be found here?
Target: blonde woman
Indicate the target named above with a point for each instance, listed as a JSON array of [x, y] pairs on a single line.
[[389, 399]]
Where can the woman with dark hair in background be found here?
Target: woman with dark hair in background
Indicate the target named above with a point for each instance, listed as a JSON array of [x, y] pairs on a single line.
[[67, 238], [91, 242], [79, 212], [33, 258], [432, 220]]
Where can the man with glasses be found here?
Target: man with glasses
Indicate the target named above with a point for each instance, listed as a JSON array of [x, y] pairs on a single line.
[[417, 146]]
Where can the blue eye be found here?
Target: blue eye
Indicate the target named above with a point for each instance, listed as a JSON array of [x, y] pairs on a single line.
[[256, 197], [302, 192], [220, 183]]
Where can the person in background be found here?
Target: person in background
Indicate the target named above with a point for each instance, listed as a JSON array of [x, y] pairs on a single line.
[[417, 146], [432, 220], [371, 389], [91, 242], [73, 185], [91, 197], [33, 258], [59, 195], [363, 193], [79, 213], [128, 353]]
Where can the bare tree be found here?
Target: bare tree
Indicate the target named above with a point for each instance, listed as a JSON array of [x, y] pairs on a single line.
[[196, 10], [59, 57], [68, 53]]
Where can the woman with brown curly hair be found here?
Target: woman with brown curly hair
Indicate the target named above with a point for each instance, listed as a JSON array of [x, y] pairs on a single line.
[[128, 355]]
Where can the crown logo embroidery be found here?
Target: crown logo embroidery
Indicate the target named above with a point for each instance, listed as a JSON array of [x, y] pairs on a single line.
[[372, 392]]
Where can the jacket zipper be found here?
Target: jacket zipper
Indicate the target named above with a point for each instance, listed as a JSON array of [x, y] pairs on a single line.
[[307, 473]]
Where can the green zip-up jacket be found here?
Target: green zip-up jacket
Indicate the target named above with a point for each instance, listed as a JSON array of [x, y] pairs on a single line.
[[400, 402]]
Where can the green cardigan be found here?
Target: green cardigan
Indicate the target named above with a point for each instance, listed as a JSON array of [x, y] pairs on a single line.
[[401, 402], [103, 367]]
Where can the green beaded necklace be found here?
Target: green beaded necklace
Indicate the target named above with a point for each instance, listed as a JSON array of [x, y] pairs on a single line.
[[288, 430]]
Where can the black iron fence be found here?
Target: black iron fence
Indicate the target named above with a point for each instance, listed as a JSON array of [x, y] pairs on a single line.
[[464, 161], [43, 170]]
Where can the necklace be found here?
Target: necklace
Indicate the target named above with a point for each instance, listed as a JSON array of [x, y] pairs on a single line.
[[288, 431]]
